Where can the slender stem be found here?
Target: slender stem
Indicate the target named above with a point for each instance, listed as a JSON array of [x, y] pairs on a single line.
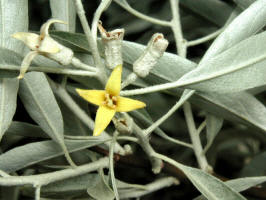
[[111, 164], [38, 193], [54, 70], [91, 41], [151, 187], [77, 63], [151, 89], [93, 138], [176, 28], [127, 7], [157, 164], [97, 15], [181, 50], [162, 134], [169, 113], [201, 127], [195, 139], [44, 179], [205, 38]]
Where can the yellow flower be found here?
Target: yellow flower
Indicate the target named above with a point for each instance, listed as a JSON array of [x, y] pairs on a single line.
[[44, 45], [109, 101]]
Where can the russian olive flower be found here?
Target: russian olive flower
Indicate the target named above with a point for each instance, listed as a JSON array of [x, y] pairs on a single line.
[[109, 101], [44, 45]]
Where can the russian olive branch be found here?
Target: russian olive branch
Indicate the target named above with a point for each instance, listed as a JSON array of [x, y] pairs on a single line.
[[45, 179], [92, 43], [181, 50], [54, 70]]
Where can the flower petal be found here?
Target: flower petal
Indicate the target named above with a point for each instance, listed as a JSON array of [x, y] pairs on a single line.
[[30, 39], [93, 96], [26, 63], [113, 84], [46, 25], [103, 117], [127, 104]]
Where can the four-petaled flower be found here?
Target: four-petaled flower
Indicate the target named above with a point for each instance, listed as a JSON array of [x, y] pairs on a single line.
[[109, 101], [44, 45]]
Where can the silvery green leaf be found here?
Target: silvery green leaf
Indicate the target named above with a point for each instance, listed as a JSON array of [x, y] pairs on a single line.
[[65, 11], [211, 187], [238, 68], [8, 103], [32, 153], [214, 10], [12, 21], [81, 183], [241, 184], [213, 126], [39, 101], [26, 130], [248, 23], [100, 190]]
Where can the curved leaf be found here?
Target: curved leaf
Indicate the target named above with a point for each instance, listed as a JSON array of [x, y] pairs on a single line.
[[239, 68], [32, 153], [11, 21], [40, 103], [248, 23], [8, 103]]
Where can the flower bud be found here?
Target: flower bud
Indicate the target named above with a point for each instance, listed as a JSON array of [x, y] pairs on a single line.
[[112, 46], [154, 50], [124, 125]]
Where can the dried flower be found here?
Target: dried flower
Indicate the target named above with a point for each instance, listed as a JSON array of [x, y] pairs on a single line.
[[44, 45], [155, 49], [112, 46]]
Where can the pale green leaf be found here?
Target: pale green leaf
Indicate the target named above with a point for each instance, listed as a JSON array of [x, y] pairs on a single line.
[[213, 126], [64, 10], [211, 187], [8, 103], [12, 21], [100, 190], [32, 153], [238, 68], [40, 103], [248, 23], [241, 184]]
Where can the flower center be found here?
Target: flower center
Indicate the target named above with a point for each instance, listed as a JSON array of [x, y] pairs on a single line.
[[110, 100]]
